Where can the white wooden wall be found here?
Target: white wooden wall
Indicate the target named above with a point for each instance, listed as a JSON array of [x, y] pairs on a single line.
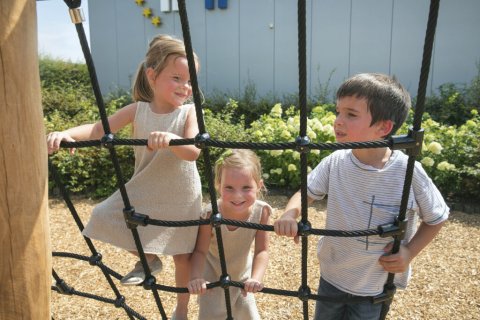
[[255, 41]]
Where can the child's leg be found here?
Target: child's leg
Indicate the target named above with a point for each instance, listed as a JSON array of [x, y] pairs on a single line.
[[326, 310], [182, 276], [149, 256], [364, 311]]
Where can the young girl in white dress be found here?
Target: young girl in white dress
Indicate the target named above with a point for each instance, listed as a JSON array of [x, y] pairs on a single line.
[[238, 180], [165, 184]]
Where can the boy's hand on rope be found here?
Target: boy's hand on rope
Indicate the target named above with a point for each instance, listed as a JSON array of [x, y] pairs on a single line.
[[251, 285], [395, 263], [287, 226], [197, 286], [160, 139], [55, 138]]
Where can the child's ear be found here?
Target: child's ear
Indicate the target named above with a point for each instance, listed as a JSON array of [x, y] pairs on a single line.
[[261, 187], [150, 73], [260, 184], [386, 127]]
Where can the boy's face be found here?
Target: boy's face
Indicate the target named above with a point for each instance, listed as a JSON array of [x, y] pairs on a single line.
[[353, 121]]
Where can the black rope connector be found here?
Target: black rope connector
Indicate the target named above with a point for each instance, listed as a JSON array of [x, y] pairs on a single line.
[[149, 283], [302, 144], [95, 259], [225, 281], [63, 287], [201, 140], [304, 293], [107, 141], [387, 294], [119, 302], [134, 219], [216, 220], [393, 229], [304, 228], [72, 4], [411, 142]]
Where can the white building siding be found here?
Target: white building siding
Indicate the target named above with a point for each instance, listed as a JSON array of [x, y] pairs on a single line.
[[255, 41]]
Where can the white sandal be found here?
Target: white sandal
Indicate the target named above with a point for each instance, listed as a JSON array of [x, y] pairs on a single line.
[[137, 275]]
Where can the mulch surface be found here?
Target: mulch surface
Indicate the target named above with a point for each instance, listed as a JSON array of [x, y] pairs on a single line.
[[445, 282]]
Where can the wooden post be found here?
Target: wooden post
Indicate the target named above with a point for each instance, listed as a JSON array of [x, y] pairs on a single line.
[[25, 254]]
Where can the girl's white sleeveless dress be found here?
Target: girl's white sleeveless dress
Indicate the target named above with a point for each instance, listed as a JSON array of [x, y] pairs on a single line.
[[237, 246], [162, 186]]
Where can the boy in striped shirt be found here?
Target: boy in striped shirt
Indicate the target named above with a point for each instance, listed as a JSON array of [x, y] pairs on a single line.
[[364, 188]]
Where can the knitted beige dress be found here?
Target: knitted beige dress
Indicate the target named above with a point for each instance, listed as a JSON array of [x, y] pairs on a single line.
[[162, 186], [238, 256]]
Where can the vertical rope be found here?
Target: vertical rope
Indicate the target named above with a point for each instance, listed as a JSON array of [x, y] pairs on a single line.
[[206, 154], [302, 96], [419, 109], [74, 5]]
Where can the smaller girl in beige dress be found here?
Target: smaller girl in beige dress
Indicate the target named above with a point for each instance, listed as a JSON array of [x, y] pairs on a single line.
[[238, 182]]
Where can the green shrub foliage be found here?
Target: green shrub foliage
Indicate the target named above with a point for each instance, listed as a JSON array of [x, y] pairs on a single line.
[[450, 153]]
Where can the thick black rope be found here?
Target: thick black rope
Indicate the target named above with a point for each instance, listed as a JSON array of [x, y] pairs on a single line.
[[389, 289], [302, 144]]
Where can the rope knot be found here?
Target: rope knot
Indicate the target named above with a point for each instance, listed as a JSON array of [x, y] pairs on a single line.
[[225, 281], [134, 219], [95, 259], [119, 302], [149, 283], [304, 293], [304, 228], [107, 140], [201, 140], [216, 219], [302, 144]]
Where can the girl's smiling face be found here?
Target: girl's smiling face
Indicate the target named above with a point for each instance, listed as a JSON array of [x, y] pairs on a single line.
[[238, 190], [172, 85]]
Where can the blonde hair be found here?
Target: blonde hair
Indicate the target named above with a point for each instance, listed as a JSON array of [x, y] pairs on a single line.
[[161, 47], [239, 159]]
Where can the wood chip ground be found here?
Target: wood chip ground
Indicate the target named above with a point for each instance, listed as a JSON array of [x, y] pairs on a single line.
[[445, 282]]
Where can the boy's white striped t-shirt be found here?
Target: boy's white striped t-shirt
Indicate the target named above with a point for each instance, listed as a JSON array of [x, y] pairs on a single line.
[[363, 197]]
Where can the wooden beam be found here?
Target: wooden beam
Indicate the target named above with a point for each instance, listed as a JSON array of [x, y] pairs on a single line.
[[25, 254]]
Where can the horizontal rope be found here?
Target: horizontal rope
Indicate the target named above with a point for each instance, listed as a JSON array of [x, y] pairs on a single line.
[[234, 144]]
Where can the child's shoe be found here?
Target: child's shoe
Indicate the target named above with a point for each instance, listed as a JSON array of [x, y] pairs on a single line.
[[137, 275]]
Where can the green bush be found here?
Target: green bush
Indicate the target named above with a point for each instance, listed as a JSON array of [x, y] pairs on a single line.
[[453, 103], [221, 127], [68, 101], [450, 154], [281, 167]]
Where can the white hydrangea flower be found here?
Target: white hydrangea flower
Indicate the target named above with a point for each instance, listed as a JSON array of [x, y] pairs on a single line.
[[276, 111], [276, 153], [445, 166], [435, 147], [427, 162], [292, 167]]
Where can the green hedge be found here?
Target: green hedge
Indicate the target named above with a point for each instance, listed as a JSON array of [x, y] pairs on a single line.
[[451, 151]]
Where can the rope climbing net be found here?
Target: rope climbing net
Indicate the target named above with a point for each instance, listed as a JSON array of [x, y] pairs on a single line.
[[410, 142]]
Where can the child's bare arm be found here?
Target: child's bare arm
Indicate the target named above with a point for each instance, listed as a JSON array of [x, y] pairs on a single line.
[[260, 258], [186, 152], [287, 224], [399, 261], [91, 131], [197, 284]]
